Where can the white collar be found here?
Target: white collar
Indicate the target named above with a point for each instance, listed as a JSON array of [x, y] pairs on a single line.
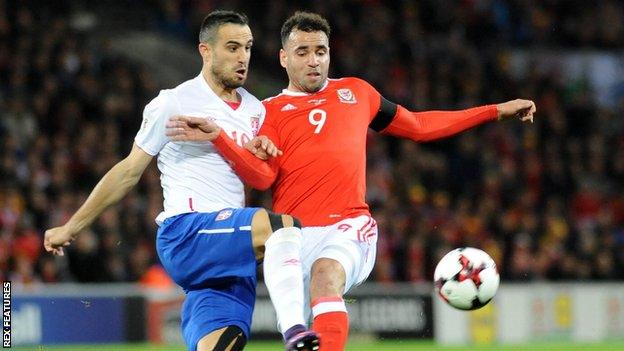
[[207, 87]]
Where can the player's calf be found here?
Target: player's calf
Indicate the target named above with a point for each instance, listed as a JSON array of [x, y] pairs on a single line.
[[328, 279], [283, 276], [328, 308]]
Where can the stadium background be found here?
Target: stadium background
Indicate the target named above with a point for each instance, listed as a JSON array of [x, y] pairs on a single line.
[[545, 200]]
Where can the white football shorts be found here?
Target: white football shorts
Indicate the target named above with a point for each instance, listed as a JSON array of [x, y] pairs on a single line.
[[352, 242]]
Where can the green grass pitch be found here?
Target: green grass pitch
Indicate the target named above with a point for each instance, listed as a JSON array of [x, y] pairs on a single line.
[[395, 345]]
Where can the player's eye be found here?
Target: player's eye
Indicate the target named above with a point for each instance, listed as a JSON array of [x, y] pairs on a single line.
[[232, 48]]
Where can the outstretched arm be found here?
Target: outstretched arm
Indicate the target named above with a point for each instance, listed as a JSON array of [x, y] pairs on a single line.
[[249, 162], [432, 125], [254, 171], [115, 184]]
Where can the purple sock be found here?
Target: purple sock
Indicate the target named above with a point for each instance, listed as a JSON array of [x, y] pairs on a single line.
[[294, 330]]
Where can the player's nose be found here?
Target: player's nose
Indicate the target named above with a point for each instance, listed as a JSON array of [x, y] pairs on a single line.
[[243, 57], [313, 61]]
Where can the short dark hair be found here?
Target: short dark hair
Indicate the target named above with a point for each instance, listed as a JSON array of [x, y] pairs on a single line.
[[304, 21], [216, 19]]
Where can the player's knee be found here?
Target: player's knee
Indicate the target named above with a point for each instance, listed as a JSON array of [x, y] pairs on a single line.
[[265, 223], [281, 222], [260, 227], [232, 339], [327, 266], [295, 221], [266, 230]]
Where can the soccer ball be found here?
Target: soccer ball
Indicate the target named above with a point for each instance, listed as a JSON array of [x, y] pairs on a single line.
[[466, 278]]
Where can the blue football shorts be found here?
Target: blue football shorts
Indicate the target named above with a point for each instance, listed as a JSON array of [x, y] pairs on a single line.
[[210, 255]]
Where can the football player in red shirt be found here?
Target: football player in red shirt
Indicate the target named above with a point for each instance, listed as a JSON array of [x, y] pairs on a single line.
[[320, 126]]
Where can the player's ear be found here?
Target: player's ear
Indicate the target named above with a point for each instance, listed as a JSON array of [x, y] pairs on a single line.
[[204, 50], [283, 58]]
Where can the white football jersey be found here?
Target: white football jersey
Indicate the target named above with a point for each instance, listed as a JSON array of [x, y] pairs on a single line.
[[194, 176]]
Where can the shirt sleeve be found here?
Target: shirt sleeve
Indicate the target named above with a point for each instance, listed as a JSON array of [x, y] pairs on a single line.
[[151, 138], [392, 119], [434, 125], [374, 100], [268, 128], [381, 110], [253, 171]]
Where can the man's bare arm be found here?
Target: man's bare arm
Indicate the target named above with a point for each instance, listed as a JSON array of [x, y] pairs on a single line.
[[115, 184]]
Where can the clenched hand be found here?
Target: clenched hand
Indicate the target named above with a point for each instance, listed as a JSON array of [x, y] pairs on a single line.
[[519, 108]]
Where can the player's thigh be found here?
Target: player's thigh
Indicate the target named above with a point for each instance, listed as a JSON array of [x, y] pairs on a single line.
[[230, 338], [265, 223], [198, 248]]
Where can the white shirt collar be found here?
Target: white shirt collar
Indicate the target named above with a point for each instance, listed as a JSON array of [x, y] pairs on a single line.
[[207, 87]]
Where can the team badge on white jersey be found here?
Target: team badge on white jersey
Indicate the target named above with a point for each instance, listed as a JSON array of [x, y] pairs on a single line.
[[346, 96]]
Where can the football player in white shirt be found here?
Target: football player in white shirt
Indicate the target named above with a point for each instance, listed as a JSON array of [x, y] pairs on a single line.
[[207, 241]]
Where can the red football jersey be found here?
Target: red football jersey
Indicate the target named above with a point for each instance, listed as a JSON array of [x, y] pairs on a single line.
[[320, 178], [322, 175]]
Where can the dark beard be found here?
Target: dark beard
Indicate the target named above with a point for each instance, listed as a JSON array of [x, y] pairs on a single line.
[[228, 83], [310, 90]]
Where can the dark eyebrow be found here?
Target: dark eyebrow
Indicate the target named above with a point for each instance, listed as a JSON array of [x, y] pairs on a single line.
[[303, 47], [238, 43]]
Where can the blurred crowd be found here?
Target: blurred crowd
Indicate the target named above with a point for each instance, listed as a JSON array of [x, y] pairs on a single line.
[[546, 200]]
